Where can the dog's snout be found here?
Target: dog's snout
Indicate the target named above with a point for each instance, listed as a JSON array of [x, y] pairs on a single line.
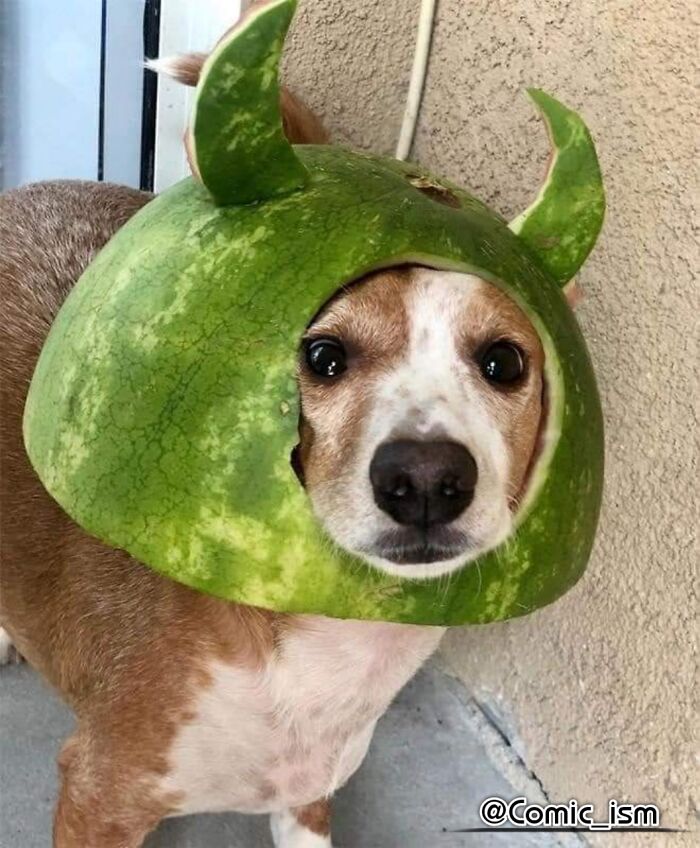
[[423, 483]]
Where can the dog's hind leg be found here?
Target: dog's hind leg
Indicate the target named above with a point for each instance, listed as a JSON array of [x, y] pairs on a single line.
[[303, 827]]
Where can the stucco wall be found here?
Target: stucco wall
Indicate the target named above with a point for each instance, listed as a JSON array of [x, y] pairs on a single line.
[[597, 690]]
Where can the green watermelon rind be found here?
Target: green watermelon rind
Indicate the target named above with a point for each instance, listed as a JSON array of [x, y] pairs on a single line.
[[562, 224], [236, 140], [164, 404]]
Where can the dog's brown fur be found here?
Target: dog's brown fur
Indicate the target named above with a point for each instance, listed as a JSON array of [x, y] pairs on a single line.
[[495, 315], [61, 590], [371, 317]]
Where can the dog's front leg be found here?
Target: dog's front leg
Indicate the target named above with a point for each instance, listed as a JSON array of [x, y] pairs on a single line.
[[94, 809], [89, 823], [8, 653], [303, 827]]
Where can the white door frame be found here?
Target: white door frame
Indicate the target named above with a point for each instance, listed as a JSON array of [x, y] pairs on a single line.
[[72, 98]]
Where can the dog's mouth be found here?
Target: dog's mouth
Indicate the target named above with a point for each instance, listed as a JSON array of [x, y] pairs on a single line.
[[413, 547]]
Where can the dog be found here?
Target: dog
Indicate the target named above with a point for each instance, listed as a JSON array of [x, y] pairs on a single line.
[[422, 402]]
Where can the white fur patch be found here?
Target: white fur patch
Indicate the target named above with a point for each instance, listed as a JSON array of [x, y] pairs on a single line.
[[293, 732]]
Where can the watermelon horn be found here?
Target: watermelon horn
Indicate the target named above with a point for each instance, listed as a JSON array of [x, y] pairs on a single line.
[[236, 144], [563, 222]]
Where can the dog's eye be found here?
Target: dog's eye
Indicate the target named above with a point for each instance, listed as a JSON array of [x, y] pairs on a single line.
[[502, 363], [326, 357]]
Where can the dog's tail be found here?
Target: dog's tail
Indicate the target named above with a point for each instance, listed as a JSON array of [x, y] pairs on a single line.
[[301, 125], [184, 68]]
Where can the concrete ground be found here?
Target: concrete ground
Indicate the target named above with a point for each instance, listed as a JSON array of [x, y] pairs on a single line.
[[427, 772]]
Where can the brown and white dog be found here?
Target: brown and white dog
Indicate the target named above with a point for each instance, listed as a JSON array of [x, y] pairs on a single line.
[[422, 399]]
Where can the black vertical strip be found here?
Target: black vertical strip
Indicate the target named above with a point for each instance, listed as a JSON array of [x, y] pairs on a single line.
[[101, 115], [151, 40]]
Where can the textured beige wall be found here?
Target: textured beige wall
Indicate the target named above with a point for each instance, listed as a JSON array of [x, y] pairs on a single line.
[[351, 61], [598, 689]]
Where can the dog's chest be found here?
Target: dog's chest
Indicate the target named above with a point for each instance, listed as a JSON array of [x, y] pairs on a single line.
[[294, 731]]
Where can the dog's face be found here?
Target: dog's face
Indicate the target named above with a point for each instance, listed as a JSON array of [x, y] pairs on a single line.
[[421, 405]]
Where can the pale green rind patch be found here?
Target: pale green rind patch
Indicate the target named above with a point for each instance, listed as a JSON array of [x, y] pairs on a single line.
[[563, 222], [237, 143]]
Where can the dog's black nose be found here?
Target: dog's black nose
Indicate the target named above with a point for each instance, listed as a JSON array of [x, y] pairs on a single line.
[[423, 483]]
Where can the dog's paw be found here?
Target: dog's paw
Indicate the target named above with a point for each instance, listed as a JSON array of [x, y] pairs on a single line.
[[8, 653], [287, 832]]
